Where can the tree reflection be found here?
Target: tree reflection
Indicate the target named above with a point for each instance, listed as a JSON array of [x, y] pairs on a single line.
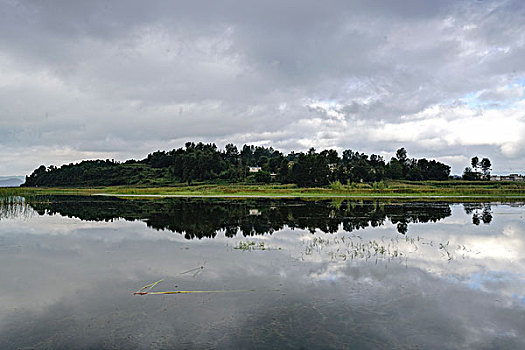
[[198, 218], [481, 212]]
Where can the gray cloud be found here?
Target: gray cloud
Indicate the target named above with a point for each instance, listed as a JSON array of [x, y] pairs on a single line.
[[82, 79]]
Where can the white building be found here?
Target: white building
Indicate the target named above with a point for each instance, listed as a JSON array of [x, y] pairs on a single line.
[[511, 177]]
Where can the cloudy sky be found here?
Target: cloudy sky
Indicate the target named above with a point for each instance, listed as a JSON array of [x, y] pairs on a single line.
[[119, 79]]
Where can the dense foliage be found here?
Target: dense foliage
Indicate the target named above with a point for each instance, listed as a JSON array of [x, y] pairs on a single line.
[[205, 162]]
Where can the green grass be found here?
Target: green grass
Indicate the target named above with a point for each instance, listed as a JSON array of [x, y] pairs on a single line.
[[391, 189]]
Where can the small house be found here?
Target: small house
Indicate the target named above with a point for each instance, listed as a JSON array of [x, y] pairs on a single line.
[[511, 177]]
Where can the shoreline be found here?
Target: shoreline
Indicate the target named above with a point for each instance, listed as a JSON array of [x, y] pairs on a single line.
[[308, 196], [394, 190]]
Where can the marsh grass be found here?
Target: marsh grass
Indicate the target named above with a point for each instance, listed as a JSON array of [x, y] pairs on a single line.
[[13, 206], [16, 202], [252, 245], [354, 247], [381, 189]]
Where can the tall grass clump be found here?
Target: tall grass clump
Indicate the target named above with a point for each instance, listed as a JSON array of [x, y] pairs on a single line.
[[12, 204], [9, 195], [351, 185], [379, 186], [337, 186], [15, 202]]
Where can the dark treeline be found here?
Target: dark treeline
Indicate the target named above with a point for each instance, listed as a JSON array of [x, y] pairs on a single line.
[[205, 162], [199, 218]]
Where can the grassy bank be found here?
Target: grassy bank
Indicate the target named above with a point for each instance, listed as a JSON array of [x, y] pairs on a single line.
[[392, 189]]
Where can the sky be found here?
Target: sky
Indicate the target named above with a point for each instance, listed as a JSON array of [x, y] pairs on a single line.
[[120, 79]]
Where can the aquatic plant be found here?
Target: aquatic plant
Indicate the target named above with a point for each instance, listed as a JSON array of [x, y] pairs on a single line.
[[12, 206], [250, 245], [354, 247]]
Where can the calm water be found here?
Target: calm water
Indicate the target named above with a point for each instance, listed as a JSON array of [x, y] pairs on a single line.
[[282, 274]]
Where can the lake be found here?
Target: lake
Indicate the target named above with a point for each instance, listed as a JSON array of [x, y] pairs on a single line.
[[261, 274]]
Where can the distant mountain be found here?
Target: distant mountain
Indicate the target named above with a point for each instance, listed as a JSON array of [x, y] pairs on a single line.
[[11, 181]]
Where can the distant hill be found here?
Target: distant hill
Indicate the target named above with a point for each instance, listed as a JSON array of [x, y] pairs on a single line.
[[253, 164], [11, 181]]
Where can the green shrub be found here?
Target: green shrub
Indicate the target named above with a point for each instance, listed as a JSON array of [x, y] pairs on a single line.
[[337, 186], [263, 177]]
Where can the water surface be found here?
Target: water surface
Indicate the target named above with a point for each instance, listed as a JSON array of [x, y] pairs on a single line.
[[291, 274]]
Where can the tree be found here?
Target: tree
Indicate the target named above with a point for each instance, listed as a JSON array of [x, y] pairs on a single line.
[[401, 155], [415, 174], [474, 173], [394, 169], [310, 170], [231, 153], [475, 163], [468, 174], [331, 156], [262, 161], [205, 162], [485, 167], [263, 177], [362, 172]]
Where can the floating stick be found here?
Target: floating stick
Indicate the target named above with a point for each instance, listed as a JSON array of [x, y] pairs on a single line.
[[151, 285], [142, 291], [194, 291]]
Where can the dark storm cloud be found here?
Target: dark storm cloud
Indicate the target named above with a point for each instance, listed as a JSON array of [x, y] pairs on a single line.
[[119, 79]]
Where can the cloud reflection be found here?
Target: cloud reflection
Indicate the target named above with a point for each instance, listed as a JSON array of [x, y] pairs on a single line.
[[67, 283]]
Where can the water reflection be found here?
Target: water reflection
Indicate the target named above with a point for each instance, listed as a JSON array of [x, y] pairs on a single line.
[[198, 218], [68, 277], [481, 212]]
